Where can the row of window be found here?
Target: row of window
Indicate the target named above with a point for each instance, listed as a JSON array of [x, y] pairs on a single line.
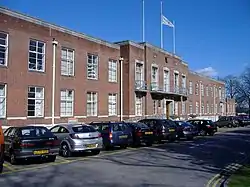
[[35, 106], [37, 56], [218, 92]]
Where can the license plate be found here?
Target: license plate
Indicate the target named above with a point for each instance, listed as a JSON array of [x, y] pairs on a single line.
[[91, 145], [171, 130], [41, 152], [148, 132], [123, 136]]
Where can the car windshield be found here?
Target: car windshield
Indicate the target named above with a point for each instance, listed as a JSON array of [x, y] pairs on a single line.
[[185, 124], [35, 132], [83, 128], [169, 123]]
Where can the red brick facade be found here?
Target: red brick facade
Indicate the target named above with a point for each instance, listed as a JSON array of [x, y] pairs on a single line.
[[150, 94]]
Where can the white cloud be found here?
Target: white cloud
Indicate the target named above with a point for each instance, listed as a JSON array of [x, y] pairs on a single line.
[[209, 71]]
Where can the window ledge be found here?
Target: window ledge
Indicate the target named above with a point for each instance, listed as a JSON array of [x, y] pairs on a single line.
[[35, 117]]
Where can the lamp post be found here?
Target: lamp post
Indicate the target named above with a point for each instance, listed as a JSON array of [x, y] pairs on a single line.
[[121, 87], [54, 43]]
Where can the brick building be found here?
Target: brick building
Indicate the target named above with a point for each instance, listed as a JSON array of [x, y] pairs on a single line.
[[87, 77]]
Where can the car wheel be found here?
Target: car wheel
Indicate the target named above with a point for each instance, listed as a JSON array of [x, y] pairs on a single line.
[[13, 159], [65, 150], [96, 152], [124, 146], [52, 158], [203, 133]]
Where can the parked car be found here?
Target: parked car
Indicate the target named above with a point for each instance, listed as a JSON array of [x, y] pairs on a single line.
[[1, 149], [77, 138], [163, 129], [141, 134], [186, 130], [114, 133], [30, 142], [228, 121], [243, 120], [204, 126]]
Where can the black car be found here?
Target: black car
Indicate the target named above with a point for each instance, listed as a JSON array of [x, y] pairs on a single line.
[[30, 142], [204, 127], [186, 130], [228, 121], [163, 129], [141, 134]]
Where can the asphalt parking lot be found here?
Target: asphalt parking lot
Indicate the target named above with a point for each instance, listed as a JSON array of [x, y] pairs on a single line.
[[178, 164]]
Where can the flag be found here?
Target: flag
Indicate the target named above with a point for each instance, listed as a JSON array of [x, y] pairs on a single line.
[[165, 21]]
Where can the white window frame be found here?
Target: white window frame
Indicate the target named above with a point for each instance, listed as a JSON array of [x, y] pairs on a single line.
[[92, 103], [36, 52], [166, 79], [3, 101], [112, 70], [67, 101], [211, 91], [138, 106], [208, 108], [36, 100], [112, 104], [67, 62], [6, 47], [207, 91], [183, 81], [141, 64], [94, 65], [212, 108], [202, 89], [155, 105], [156, 79], [190, 87], [176, 79], [183, 108], [202, 107], [190, 108], [196, 89], [197, 107]]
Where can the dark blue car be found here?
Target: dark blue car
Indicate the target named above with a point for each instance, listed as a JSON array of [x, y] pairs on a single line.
[[114, 133]]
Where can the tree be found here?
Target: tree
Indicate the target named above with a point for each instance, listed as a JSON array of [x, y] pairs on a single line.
[[243, 88], [231, 84]]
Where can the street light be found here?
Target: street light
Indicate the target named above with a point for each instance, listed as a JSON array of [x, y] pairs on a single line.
[[121, 87], [54, 43]]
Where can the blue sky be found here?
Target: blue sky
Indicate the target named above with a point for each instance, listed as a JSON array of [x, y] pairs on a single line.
[[212, 34]]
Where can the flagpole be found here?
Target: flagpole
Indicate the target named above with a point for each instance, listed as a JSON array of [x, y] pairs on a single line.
[[161, 28], [143, 22], [174, 37]]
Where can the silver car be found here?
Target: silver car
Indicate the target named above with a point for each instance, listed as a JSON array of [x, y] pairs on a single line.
[[77, 138]]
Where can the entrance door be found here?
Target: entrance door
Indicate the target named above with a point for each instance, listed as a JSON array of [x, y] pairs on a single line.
[[168, 104]]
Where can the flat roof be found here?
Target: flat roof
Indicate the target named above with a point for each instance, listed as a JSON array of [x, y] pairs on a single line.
[[55, 27], [207, 77]]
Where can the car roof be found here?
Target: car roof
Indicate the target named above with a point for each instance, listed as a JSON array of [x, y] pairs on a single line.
[[70, 125]]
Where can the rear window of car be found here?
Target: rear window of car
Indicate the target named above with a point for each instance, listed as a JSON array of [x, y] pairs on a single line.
[[35, 132], [169, 123], [83, 128], [140, 125]]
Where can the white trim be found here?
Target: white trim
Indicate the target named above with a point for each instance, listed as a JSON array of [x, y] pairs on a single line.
[[49, 117], [6, 51], [127, 42], [55, 27], [80, 117], [97, 71], [67, 49], [168, 82], [143, 69], [157, 75], [116, 70], [154, 65], [16, 118], [73, 99], [103, 116], [176, 72]]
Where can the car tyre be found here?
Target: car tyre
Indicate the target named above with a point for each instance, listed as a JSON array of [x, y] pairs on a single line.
[[52, 158], [1, 168], [13, 159], [65, 150], [124, 146], [96, 152], [203, 133]]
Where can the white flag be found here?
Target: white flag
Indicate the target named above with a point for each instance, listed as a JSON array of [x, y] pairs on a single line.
[[165, 21]]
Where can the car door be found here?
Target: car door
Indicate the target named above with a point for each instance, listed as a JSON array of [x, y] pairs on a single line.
[[60, 132]]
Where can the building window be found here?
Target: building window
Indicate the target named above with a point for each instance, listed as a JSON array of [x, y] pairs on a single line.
[[211, 91], [92, 67], [207, 91], [67, 103], [154, 76], [208, 108], [215, 110], [190, 109], [202, 90], [112, 104], [216, 92], [138, 106], [183, 108], [166, 81], [202, 107], [220, 93], [154, 106], [67, 62], [35, 101], [176, 108], [190, 87], [196, 89], [3, 49], [139, 71], [197, 108], [36, 55], [212, 108], [3, 101], [91, 104], [112, 71]]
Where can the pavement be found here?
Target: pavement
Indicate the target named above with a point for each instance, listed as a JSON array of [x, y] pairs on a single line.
[[180, 164]]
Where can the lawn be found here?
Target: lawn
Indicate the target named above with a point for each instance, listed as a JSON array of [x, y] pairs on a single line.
[[241, 178]]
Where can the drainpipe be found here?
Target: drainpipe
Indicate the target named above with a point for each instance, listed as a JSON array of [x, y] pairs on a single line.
[[121, 88], [54, 43]]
